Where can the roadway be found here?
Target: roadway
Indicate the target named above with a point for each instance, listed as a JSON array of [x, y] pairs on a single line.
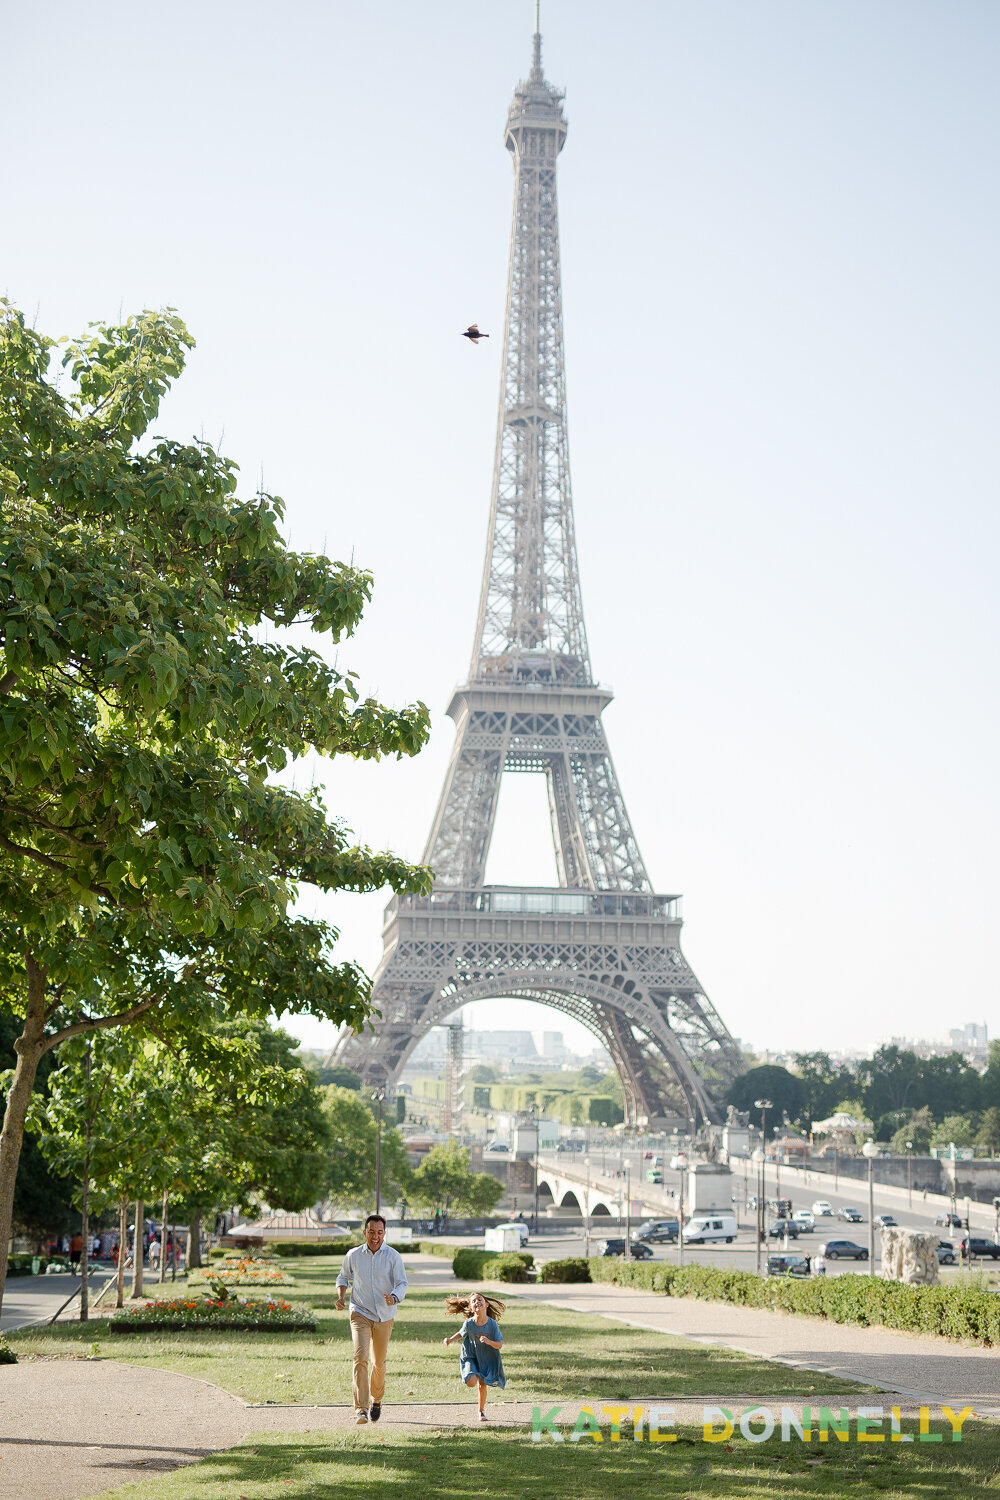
[[36, 1299]]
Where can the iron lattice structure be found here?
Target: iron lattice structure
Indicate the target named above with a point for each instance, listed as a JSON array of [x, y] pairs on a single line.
[[601, 947]]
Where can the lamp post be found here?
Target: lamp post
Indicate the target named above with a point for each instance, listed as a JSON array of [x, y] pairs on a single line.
[[763, 1105], [679, 1164], [590, 1192], [628, 1210], [870, 1150], [758, 1158], [378, 1098], [909, 1174]]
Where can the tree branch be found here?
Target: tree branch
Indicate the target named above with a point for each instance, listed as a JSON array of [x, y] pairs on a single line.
[[121, 1019]]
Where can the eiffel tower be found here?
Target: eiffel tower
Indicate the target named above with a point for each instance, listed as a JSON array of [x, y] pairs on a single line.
[[601, 946]]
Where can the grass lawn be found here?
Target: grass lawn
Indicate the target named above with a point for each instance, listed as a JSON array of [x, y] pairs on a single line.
[[550, 1355], [507, 1465]]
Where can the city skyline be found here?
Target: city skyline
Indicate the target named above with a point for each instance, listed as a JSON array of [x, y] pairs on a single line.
[[779, 233]]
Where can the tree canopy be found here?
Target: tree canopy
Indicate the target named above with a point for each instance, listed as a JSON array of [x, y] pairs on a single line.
[[148, 860]]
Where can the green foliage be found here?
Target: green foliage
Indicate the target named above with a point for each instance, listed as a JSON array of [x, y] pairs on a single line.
[[349, 1178], [786, 1093], [960, 1129], [343, 1078], [43, 1197], [989, 1131], [918, 1130], [7, 1355], [443, 1181], [956, 1312], [573, 1268], [289, 1249], [227, 1312], [485, 1265], [148, 860]]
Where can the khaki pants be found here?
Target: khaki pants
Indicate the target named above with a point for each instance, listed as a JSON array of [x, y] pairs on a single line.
[[370, 1340]]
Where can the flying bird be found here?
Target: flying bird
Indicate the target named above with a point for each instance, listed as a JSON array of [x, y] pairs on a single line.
[[472, 333]]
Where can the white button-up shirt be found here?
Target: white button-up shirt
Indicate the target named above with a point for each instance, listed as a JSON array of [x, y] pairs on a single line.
[[372, 1278]]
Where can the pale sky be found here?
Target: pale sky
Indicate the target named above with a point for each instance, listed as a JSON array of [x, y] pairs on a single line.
[[779, 242]]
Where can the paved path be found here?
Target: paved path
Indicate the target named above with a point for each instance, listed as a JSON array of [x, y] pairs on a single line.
[[929, 1369], [74, 1428], [33, 1299]]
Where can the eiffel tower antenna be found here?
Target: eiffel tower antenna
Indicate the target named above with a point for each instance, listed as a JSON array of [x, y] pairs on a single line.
[[601, 946]]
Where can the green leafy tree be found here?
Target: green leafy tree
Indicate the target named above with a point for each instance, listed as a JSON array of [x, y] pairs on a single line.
[[146, 857], [918, 1130], [444, 1181], [958, 1129], [350, 1167], [989, 1131], [786, 1092], [823, 1081]]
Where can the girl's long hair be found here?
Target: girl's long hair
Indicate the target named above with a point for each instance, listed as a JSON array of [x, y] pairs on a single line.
[[494, 1307]]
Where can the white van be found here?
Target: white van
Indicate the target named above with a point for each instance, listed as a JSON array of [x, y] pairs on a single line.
[[701, 1228]]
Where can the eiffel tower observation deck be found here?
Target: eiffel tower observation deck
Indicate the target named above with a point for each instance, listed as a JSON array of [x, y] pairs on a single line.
[[601, 946]]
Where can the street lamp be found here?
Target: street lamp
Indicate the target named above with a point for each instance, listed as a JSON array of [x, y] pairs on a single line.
[[628, 1210], [378, 1098], [534, 1120], [763, 1105], [758, 1159], [909, 1174], [679, 1164], [870, 1150]]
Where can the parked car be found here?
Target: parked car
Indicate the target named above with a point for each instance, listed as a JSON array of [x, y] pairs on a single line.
[[980, 1249], [654, 1175], [945, 1253], [843, 1250], [805, 1220], [782, 1227], [788, 1265], [497, 1146], [822, 1209], [885, 1221], [638, 1250], [657, 1231], [849, 1215], [950, 1221]]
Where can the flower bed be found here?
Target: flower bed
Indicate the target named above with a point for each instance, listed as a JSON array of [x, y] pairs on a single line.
[[232, 1314], [245, 1274]]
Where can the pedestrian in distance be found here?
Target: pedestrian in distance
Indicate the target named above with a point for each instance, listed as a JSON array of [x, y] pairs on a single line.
[[374, 1272], [479, 1362]]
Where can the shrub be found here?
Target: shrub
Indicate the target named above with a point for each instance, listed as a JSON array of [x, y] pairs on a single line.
[[7, 1355], [511, 1266], [956, 1312], [471, 1265], [291, 1248], [575, 1268], [432, 1247]]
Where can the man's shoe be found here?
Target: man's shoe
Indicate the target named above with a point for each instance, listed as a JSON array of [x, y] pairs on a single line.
[[376, 1411], [483, 1417], [360, 1418]]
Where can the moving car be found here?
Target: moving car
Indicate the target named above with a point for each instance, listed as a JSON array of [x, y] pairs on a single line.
[[945, 1253], [782, 1227], [788, 1265], [950, 1221], [843, 1250], [657, 1231], [638, 1250], [520, 1226], [849, 1215], [654, 1175], [822, 1209], [886, 1221], [805, 1220], [980, 1249]]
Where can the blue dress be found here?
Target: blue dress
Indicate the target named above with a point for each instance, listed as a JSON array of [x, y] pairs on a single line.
[[478, 1358]]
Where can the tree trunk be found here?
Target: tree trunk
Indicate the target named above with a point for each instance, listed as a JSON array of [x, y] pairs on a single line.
[[137, 1250], [194, 1242], [163, 1241], [85, 1213], [29, 1049], [122, 1250]]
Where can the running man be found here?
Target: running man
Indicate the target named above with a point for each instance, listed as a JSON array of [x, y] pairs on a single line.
[[374, 1272]]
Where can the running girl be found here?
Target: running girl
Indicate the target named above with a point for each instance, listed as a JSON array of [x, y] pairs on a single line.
[[479, 1362]]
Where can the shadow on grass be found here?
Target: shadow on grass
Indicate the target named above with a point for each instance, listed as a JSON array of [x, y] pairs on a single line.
[[505, 1463]]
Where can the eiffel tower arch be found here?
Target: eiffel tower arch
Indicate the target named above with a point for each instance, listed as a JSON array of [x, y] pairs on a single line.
[[601, 946]]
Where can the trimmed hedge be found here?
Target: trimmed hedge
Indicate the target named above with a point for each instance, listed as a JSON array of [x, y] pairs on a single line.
[[290, 1248], [574, 1268], [485, 1265], [954, 1312], [430, 1247]]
